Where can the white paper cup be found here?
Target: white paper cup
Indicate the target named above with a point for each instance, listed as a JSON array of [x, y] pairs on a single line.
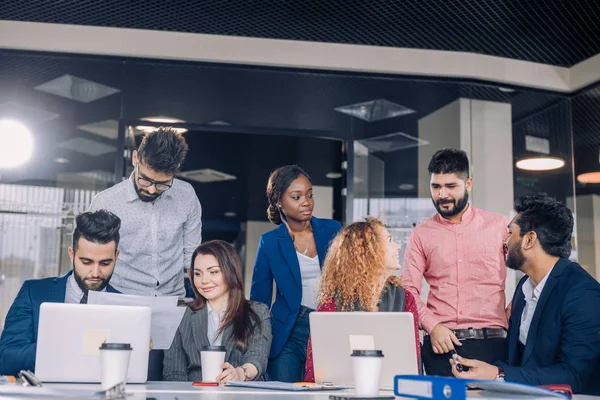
[[212, 357], [367, 372], [114, 363]]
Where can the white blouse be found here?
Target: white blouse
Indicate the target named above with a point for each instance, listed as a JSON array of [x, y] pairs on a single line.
[[310, 271]]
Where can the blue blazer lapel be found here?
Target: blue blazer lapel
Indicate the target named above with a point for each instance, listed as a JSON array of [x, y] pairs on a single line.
[[111, 289], [289, 253], [546, 293], [321, 240], [58, 289]]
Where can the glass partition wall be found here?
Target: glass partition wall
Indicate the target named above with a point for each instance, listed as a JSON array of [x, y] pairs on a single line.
[[365, 140]]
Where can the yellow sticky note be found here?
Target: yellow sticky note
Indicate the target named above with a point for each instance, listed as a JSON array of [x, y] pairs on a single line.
[[361, 342], [92, 339]]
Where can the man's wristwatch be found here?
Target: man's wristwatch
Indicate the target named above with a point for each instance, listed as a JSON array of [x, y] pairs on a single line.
[[246, 375], [500, 376]]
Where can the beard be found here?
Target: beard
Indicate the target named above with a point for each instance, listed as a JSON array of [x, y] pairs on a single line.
[[459, 205], [145, 196], [515, 258], [86, 287]]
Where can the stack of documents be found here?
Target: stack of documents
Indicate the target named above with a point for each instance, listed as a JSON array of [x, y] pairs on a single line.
[[166, 316]]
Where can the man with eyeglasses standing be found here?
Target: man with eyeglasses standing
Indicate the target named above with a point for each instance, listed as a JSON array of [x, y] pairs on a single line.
[[161, 218], [160, 223]]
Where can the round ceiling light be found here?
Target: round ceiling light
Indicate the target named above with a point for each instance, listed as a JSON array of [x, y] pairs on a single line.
[[589, 177], [333, 175], [16, 144], [540, 163]]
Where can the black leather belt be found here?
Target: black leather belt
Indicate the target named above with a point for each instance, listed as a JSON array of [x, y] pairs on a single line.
[[482, 333]]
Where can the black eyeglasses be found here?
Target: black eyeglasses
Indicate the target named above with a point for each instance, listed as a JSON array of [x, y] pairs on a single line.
[[145, 182]]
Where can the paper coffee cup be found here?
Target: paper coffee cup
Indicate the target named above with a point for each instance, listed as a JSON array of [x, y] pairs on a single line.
[[367, 372], [212, 357], [114, 363]]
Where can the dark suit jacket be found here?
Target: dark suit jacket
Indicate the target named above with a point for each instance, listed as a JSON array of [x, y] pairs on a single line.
[[18, 342], [563, 343], [276, 259], [182, 361]]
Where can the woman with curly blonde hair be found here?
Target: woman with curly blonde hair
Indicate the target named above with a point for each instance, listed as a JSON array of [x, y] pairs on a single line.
[[358, 276]]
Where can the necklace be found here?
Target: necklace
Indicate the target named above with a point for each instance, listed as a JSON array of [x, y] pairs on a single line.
[[305, 252], [305, 249]]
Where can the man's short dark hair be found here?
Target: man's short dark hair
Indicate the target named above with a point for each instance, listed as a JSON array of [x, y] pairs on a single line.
[[163, 150], [450, 161], [551, 220], [98, 226]]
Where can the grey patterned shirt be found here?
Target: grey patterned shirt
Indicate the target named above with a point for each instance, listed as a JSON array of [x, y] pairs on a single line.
[[157, 240]]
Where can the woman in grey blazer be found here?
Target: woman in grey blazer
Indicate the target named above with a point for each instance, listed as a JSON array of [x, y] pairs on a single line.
[[220, 316]]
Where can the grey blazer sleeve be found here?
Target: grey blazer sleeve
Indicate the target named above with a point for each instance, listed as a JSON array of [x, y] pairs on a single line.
[[259, 341], [175, 361]]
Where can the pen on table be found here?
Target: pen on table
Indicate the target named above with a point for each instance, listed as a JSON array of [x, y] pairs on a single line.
[[459, 366]]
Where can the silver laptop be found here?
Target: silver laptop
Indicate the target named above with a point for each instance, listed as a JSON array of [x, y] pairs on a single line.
[[335, 334], [69, 336]]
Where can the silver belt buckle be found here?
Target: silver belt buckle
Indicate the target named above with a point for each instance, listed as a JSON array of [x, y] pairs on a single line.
[[472, 333]]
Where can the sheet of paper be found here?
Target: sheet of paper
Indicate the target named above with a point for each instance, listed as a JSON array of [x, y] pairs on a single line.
[[361, 342], [166, 316], [517, 389]]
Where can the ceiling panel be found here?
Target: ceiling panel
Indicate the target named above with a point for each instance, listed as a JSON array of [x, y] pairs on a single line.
[[558, 32]]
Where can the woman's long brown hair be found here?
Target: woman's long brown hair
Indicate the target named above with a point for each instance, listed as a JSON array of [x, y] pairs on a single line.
[[354, 265], [239, 313]]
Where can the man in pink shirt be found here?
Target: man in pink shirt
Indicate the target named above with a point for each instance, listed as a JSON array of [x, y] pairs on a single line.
[[460, 253]]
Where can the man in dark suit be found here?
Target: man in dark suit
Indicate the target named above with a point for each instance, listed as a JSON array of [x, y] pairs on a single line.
[[554, 328], [93, 255]]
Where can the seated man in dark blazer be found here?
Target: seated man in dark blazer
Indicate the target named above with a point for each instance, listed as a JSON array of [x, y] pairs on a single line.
[[93, 255], [554, 328]]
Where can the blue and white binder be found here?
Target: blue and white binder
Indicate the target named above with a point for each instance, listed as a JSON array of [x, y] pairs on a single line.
[[437, 387]]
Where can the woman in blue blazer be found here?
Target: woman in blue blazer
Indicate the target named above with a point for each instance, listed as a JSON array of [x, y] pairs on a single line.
[[292, 256]]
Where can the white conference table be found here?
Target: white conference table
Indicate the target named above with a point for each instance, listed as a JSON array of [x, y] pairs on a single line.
[[185, 391]]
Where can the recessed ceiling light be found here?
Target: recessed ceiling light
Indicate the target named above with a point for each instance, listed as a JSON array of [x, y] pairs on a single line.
[[62, 160], [108, 128], [87, 146], [333, 175], [375, 110], [75, 88], [391, 142], [29, 115], [206, 175], [222, 123], [589, 177], [406, 186], [161, 121], [541, 163], [506, 90], [230, 214]]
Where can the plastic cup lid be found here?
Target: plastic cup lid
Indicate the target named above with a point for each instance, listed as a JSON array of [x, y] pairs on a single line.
[[367, 353], [115, 346]]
